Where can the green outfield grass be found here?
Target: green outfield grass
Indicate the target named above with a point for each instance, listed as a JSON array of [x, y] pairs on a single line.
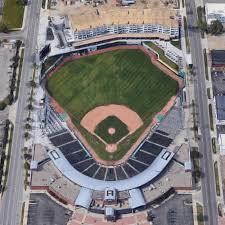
[[125, 77], [111, 121]]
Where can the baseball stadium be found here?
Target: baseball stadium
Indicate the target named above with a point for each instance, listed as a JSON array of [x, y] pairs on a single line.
[[101, 116], [110, 112], [111, 98]]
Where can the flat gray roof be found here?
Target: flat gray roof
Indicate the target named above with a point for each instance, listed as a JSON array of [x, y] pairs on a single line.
[[218, 57], [84, 198], [136, 198], [220, 107]]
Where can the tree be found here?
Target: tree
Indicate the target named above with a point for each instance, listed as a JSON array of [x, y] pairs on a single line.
[[195, 154], [15, 58], [33, 84], [150, 216], [197, 174], [202, 25], [2, 105], [24, 149], [216, 27], [18, 43], [28, 119], [26, 165], [22, 2], [26, 135], [27, 156], [3, 27], [27, 126], [30, 107]]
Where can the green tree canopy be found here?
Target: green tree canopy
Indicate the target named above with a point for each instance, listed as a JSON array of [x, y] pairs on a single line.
[[216, 27], [3, 27], [202, 25]]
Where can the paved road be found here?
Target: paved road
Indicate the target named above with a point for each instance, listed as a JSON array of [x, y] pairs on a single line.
[[208, 184], [10, 209], [18, 35]]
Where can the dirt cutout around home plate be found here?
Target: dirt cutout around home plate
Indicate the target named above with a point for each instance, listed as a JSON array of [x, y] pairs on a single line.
[[98, 114]]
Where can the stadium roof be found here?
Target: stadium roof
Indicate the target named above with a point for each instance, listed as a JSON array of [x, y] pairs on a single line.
[[218, 57], [86, 18], [140, 179], [220, 107]]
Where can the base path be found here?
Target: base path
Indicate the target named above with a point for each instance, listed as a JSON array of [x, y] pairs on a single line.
[[98, 114]]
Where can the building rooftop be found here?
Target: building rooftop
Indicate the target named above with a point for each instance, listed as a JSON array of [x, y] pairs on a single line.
[[218, 57], [86, 18], [221, 140], [220, 107], [215, 11]]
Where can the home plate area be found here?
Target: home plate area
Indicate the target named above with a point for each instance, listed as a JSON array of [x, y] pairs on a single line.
[[111, 124]]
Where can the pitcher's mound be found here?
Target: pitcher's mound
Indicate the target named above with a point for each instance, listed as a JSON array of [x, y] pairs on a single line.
[[111, 130]]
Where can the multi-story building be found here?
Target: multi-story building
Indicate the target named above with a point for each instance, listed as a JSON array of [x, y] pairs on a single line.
[[99, 23], [215, 11]]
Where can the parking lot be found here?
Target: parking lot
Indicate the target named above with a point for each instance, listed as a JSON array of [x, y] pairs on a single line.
[[175, 211], [44, 211], [6, 53]]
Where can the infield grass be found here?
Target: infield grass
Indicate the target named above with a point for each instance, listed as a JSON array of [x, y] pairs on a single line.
[[124, 77], [111, 122]]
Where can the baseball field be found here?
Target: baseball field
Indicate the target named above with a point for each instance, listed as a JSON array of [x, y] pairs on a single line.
[[122, 77]]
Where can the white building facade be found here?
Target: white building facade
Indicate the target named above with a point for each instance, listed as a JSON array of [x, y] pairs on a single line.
[[173, 32], [215, 11]]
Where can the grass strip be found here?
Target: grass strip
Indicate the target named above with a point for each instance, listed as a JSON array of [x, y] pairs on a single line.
[[31, 93], [19, 74], [196, 173], [217, 179], [177, 44], [183, 3], [8, 157], [214, 145], [206, 64], [208, 93], [195, 126], [200, 214], [22, 214], [186, 35], [201, 18], [211, 117]]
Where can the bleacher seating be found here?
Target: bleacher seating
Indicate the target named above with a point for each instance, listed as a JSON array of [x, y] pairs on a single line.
[[142, 158], [160, 140]]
